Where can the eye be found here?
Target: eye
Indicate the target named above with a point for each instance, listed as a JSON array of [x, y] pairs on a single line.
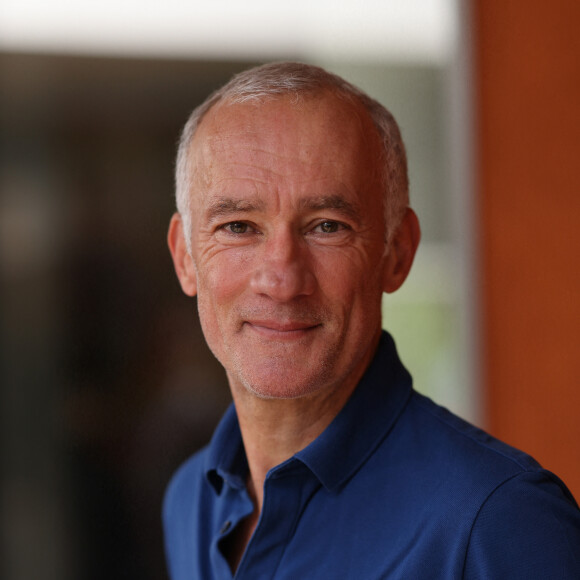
[[237, 228], [328, 227]]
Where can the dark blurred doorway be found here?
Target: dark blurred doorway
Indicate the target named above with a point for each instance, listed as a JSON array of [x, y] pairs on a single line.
[[106, 382]]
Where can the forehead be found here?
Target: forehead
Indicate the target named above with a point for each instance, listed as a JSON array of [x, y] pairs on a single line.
[[321, 137]]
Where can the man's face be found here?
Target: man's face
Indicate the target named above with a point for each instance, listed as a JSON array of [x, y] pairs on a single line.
[[288, 243]]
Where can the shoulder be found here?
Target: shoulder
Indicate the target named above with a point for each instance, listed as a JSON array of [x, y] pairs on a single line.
[[467, 447], [462, 463], [184, 494], [520, 519], [185, 486], [527, 527]]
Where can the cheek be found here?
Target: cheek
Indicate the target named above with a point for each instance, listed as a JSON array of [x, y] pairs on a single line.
[[352, 276], [220, 281], [213, 310]]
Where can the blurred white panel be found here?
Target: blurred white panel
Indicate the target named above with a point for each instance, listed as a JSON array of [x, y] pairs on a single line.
[[414, 30]]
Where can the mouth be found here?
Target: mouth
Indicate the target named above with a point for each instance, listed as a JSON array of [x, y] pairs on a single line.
[[276, 329]]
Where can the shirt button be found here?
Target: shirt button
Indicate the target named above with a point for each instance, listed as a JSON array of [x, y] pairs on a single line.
[[225, 527]]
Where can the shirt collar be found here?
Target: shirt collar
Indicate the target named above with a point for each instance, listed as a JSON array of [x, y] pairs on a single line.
[[345, 444], [226, 458], [364, 421]]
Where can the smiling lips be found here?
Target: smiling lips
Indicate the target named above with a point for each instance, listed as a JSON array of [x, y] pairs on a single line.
[[281, 330]]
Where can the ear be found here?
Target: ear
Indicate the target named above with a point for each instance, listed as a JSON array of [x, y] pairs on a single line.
[[401, 252], [182, 260]]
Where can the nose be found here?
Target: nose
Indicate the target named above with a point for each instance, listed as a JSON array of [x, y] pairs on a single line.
[[283, 271]]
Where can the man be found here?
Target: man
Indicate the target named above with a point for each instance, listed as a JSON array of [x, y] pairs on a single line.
[[293, 220]]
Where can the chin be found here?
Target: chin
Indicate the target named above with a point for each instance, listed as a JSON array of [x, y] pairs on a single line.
[[273, 384], [280, 393]]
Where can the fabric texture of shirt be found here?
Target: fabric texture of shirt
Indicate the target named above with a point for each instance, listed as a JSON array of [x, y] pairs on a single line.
[[396, 487]]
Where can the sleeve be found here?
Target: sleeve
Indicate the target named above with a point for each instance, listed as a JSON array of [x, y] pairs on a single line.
[[181, 538], [172, 528], [528, 528]]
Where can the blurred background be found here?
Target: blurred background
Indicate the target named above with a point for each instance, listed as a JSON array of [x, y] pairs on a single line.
[[106, 384]]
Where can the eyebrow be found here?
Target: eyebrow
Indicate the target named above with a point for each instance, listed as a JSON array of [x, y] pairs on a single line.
[[334, 202], [225, 206]]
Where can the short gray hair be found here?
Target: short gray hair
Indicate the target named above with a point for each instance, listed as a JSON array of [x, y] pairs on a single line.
[[296, 79]]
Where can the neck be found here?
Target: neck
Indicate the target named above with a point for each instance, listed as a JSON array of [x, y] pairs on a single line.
[[273, 430]]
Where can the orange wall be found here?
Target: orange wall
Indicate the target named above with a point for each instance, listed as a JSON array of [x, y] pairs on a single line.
[[527, 76]]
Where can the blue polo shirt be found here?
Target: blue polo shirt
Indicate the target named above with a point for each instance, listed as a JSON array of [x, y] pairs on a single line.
[[396, 487]]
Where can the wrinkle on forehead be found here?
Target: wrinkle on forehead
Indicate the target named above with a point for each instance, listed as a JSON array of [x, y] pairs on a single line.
[[281, 138], [319, 113]]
